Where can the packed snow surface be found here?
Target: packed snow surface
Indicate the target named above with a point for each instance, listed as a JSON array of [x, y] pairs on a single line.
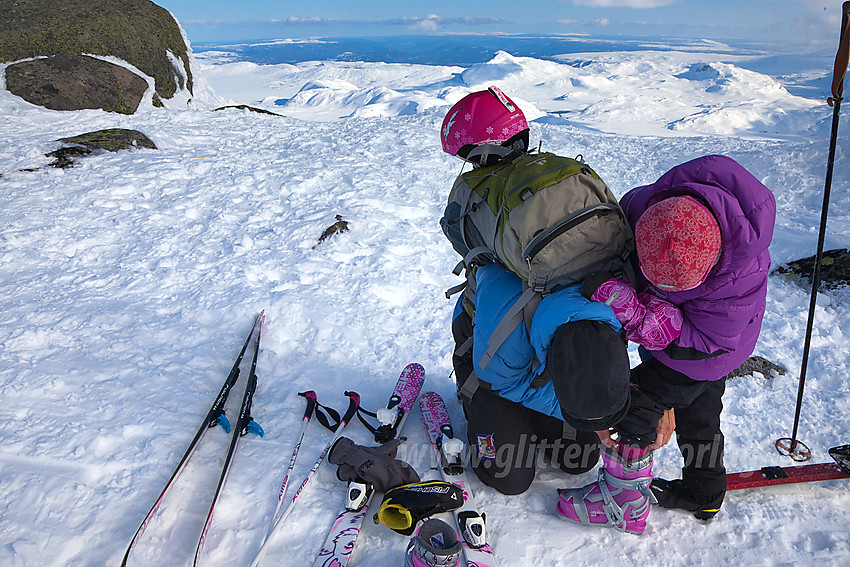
[[130, 280]]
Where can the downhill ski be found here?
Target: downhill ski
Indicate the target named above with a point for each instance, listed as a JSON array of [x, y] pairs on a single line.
[[245, 424], [773, 476], [215, 416], [448, 450], [354, 404], [340, 542]]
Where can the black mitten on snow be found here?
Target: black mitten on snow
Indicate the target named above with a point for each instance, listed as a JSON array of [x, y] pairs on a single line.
[[375, 465], [405, 505]]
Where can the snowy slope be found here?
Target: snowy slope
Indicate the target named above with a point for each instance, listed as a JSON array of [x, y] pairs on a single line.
[[129, 282]]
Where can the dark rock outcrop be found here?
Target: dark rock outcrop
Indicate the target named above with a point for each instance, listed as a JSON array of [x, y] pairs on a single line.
[[137, 31], [246, 107], [760, 365], [834, 270], [338, 227], [76, 82]]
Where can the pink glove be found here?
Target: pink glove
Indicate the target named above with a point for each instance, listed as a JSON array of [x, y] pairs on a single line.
[[622, 298], [661, 325], [647, 320]]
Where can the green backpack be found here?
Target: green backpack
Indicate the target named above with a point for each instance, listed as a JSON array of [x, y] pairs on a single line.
[[549, 219]]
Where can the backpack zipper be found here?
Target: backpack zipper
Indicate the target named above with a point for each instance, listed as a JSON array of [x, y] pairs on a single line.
[[545, 238]]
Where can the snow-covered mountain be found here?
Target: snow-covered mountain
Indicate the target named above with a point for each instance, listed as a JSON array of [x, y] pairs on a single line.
[[641, 93]]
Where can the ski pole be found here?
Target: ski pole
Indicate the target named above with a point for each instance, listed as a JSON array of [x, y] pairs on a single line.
[[353, 404], [789, 446], [305, 421]]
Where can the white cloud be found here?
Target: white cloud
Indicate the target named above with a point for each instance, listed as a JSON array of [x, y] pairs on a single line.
[[624, 3], [430, 24]]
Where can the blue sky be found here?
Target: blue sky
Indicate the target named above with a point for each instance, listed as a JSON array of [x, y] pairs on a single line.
[[797, 22]]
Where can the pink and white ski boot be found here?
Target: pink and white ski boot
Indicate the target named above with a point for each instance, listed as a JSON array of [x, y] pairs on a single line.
[[619, 499]]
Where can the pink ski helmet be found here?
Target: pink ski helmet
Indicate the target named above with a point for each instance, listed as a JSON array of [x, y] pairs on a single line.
[[483, 117]]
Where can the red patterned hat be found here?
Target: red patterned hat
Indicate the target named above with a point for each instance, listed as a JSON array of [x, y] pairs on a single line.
[[678, 242]]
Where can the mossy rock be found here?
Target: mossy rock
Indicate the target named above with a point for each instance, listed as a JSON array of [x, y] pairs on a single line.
[[834, 270], [137, 31], [76, 82], [760, 365], [109, 140]]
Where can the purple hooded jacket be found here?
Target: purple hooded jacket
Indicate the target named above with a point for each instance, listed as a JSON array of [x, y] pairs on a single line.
[[723, 315]]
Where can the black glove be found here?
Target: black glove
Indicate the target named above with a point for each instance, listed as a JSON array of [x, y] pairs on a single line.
[[375, 465], [638, 427], [592, 282]]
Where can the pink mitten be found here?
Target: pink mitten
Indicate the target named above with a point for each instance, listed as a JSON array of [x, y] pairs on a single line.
[[647, 320], [622, 298], [661, 324]]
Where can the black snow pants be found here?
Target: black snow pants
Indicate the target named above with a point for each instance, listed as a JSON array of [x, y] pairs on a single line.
[[697, 405], [509, 441]]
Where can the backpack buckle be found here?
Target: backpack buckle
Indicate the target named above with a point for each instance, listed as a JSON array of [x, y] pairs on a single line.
[[538, 284]]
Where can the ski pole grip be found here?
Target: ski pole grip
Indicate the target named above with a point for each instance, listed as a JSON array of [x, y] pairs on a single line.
[[311, 403], [842, 57], [353, 404]]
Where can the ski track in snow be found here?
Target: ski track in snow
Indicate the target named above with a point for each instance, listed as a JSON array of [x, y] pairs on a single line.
[[130, 280]]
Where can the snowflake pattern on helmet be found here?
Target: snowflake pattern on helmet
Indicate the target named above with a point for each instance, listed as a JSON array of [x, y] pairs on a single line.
[[484, 117]]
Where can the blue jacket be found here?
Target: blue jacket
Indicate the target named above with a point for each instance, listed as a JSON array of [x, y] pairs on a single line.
[[510, 371]]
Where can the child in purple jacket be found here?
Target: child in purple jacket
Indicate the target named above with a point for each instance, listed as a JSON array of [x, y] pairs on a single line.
[[702, 233]]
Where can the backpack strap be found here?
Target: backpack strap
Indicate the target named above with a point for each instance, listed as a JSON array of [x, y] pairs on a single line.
[[470, 386], [469, 283], [455, 289], [464, 348], [470, 257], [569, 432], [521, 311]]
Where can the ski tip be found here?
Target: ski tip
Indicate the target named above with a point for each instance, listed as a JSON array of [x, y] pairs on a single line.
[[415, 372], [842, 457], [223, 422]]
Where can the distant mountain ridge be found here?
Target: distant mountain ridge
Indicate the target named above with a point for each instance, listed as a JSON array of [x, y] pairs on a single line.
[[468, 50]]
